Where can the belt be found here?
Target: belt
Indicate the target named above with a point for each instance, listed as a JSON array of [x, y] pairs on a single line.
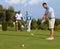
[[28, 19], [52, 18]]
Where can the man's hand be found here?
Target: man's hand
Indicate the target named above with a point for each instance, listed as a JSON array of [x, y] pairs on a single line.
[[43, 21], [46, 15]]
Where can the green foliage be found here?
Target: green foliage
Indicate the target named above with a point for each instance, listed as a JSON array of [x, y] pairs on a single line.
[[4, 25], [9, 16], [44, 26], [0, 17], [39, 23], [34, 24], [1, 8], [57, 22], [46, 22], [10, 23], [57, 27]]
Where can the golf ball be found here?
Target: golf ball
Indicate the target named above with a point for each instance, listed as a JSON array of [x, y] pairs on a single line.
[[32, 34], [22, 45]]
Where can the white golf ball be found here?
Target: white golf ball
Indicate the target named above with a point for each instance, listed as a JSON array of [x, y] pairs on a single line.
[[32, 34], [22, 45]]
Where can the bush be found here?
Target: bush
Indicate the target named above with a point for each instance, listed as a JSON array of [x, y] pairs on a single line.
[[34, 24], [4, 25], [10, 23], [57, 22], [57, 27], [44, 26], [39, 23]]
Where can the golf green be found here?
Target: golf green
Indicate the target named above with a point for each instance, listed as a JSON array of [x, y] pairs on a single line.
[[15, 40]]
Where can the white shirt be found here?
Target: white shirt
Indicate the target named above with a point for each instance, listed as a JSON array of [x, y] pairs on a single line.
[[18, 16]]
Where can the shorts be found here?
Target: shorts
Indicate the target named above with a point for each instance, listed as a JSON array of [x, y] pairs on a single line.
[[51, 23]]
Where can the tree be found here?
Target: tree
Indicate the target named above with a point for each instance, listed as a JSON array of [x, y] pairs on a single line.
[[39, 23], [4, 22], [10, 15], [57, 22], [1, 9], [34, 24]]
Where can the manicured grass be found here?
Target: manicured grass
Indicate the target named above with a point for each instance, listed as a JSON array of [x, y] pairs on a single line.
[[14, 40]]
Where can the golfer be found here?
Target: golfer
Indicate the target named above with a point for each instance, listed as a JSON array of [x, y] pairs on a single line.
[[49, 13], [28, 19], [19, 19]]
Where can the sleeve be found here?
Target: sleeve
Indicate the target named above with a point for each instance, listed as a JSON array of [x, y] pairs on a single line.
[[50, 10], [21, 15]]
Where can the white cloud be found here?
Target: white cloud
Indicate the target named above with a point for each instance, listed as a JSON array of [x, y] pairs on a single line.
[[25, 2], [46, 0], [12, 1], [15, 1], [37, 1], [34, 1]]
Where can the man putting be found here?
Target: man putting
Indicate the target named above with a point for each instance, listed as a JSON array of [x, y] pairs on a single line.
[[49, 13]]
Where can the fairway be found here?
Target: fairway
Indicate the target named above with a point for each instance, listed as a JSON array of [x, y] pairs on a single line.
[[14, 40]]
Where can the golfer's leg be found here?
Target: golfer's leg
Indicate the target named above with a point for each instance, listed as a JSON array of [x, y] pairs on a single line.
[[20, 25], [29, 25], [16, 25], [52, 32], [52, 22]]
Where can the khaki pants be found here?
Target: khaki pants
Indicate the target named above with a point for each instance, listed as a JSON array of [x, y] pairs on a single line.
[[51, 23], [18, 25]]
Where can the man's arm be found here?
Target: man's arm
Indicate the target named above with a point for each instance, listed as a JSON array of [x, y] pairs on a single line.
[[46, 15], [16, 16], [30, 18], [22, 18]]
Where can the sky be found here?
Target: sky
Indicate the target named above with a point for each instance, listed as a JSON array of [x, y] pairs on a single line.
[[34, 6]]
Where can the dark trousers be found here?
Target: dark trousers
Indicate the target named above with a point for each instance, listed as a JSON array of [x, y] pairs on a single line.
[[18, 25]]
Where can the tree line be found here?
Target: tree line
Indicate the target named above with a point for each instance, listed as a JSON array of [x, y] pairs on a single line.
[[36, 24], [7, 17]]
